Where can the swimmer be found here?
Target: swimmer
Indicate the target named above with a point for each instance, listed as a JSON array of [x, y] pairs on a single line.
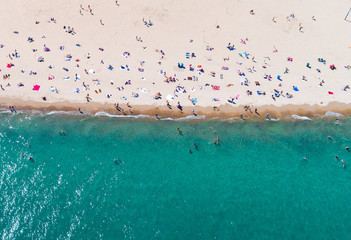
[[304, 158], [116, 161], [347, 149], [190, 151], [344, 166], [180, 132], [31, 159], [195, 146], [342, 160], [336, 158]]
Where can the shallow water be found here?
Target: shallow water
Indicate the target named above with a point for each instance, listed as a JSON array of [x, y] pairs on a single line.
[[254, 185]]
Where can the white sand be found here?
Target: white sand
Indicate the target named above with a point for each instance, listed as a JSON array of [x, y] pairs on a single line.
[[175, 23]]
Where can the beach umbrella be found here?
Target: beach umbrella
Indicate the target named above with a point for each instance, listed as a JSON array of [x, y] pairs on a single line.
[[36, 87]]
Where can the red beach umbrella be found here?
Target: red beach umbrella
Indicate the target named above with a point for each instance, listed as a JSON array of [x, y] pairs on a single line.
[[36, 87]]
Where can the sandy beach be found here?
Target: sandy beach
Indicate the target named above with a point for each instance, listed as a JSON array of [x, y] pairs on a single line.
[[177, 58]]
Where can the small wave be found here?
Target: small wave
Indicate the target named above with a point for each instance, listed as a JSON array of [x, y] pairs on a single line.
[[105, 114], [229, 119], [300, 117], [62, 113], [191, 117], [140, 116], [167, 119], [333, 114]]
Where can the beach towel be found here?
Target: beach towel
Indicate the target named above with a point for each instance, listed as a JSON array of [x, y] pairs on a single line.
[[296, 89], [170, 98]]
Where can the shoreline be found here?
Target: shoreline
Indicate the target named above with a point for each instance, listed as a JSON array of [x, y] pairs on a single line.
[[224, 112]]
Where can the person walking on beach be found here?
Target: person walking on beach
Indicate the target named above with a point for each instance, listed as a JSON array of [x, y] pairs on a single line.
[[180, 107], [168, 105]]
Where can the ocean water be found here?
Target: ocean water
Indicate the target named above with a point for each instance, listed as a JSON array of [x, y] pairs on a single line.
[[254, 185]]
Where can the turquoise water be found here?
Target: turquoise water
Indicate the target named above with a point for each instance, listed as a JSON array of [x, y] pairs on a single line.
[[254, 185]]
